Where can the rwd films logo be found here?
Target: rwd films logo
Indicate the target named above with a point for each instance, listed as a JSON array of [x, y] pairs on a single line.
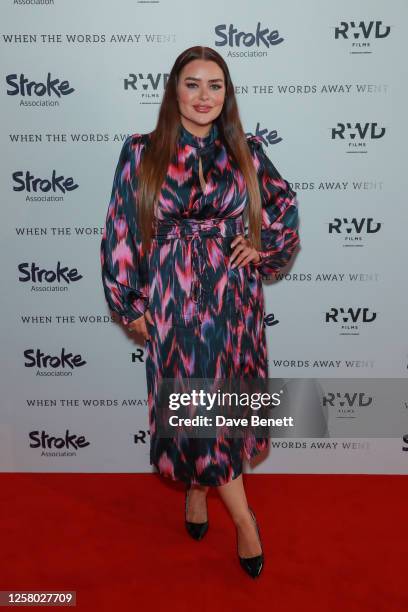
[[353, 229], [361, 33], [357, 135]]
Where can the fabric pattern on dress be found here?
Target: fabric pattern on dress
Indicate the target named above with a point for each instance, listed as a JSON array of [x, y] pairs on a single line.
[[208, 315]]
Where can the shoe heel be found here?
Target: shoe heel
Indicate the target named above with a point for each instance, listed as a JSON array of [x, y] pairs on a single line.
[[253, 565], [196, 530]]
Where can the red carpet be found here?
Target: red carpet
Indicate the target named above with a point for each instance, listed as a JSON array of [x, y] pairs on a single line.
[[332, 543]]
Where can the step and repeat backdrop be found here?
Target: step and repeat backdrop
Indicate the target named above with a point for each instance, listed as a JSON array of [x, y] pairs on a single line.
[[325, 85]]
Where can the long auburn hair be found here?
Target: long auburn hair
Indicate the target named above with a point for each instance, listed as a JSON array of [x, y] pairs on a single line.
[[163, 144]]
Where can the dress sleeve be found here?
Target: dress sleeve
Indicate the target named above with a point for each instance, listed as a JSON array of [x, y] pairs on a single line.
[[279, 230], [125, 287]]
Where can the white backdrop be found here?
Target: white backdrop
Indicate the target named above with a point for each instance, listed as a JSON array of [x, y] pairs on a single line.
[[330, 98]]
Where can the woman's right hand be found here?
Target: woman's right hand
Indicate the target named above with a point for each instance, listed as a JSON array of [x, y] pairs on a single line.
[[139, 326]]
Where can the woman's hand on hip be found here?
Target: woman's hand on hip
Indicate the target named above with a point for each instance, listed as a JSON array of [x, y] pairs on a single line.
[[138, 326], [243, 252]]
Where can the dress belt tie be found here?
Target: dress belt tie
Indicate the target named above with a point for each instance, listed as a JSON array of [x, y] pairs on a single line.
[[183, 227], [196, 230]]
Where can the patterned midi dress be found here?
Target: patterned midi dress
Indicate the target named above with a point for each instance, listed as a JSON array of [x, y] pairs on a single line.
[[208, 315]]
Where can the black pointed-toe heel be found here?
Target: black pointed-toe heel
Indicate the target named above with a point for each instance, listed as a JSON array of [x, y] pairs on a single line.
[[253, 565], [196, 530]]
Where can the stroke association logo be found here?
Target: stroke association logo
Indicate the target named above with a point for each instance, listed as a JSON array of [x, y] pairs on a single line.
[[357, 136], [57, 446], [38, 93], [270, 319], [268, 137], [361, 34], [354, 231], [148, 87], [48, 364], [61, 276], [227, 35], [349, 320], [28, 183]]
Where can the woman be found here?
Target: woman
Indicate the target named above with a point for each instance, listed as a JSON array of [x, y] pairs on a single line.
[[179, 270]]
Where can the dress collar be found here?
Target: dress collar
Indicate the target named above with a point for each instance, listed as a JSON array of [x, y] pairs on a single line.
[[186, 137]]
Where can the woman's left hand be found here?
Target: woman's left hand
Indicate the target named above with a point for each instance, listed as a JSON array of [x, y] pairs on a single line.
[[243, 251]]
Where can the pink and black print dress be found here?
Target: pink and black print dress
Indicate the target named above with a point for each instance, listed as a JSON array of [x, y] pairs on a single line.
[[208, 316]]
